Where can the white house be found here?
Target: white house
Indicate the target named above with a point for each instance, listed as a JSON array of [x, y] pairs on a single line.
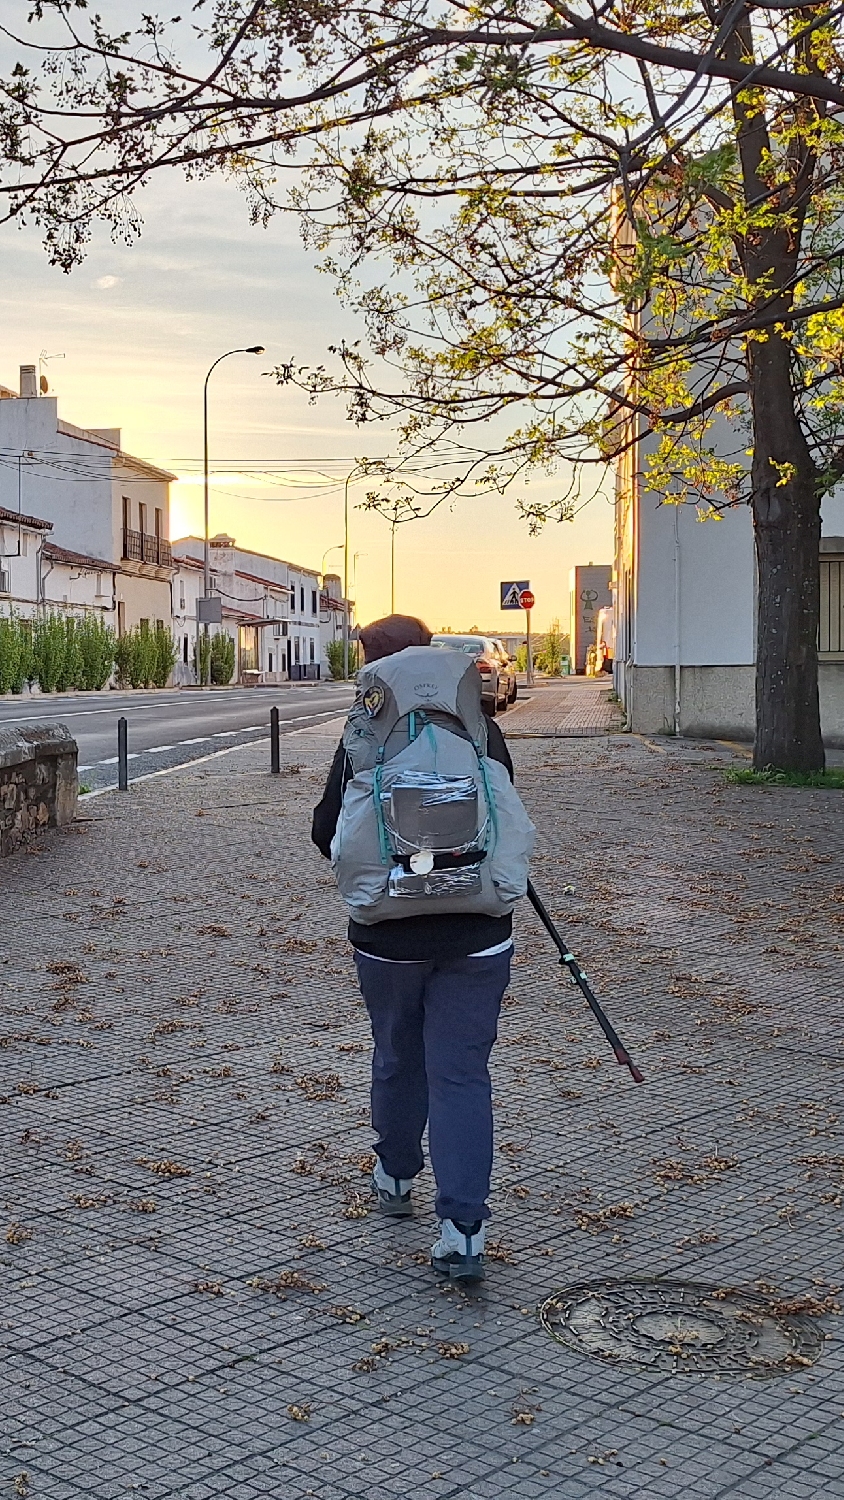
[[685, 607], [100, 502], [271, 608], [36, 573]]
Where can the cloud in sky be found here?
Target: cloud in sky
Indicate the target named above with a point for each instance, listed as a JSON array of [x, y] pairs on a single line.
[[202, 280]]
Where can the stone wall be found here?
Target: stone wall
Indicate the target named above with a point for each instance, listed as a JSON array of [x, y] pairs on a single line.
[[38, 782]]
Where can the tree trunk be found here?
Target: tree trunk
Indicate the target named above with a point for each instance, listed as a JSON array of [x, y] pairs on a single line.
[[787, 528]]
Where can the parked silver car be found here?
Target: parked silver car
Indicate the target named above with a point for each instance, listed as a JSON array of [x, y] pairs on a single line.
[[508, 666], [498, 677]]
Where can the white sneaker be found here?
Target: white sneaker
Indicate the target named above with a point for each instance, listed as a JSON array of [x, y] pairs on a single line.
[[459, 1251], [393, 1192]]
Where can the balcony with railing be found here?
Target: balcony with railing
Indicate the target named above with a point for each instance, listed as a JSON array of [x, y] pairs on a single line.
[[144, 546]]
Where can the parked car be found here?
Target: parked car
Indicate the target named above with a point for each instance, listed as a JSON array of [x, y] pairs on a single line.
[[495, 673], [508, 666]]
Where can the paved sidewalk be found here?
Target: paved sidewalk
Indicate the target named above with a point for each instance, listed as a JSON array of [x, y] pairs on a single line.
[[196, 1299], [568, 708]]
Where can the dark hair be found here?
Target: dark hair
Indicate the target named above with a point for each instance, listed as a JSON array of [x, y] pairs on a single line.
[[393, 633]]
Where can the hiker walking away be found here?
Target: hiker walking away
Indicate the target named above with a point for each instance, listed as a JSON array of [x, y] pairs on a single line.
[[430, 845]]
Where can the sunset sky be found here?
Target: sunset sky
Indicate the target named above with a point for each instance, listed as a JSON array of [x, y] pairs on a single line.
[[139, 325]]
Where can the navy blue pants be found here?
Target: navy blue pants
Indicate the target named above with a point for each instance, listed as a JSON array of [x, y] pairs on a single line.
[[434, 1025]]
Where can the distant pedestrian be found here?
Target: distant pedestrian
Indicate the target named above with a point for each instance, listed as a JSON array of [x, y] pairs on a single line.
[[430, 847]]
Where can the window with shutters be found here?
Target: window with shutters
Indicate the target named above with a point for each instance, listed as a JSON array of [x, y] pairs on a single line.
[[831, 633]]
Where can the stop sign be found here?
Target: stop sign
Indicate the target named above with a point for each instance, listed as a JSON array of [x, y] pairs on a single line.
[[526, 599]]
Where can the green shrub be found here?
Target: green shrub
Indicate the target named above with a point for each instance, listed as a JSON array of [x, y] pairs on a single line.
[[124, 650], [144, 653], [70, 670], [143, 657], [96, 646], [56, 651], [49, 640], [16, 655], [521, 658], [550, 650], [165, 656], [222, 658], [334, 654]]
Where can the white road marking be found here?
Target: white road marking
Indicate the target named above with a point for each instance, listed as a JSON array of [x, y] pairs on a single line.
[[202, 739], [81, 713], [53, 711], [199, 760]]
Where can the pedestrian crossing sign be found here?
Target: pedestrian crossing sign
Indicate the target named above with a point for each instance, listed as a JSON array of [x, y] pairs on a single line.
[[511, 594]]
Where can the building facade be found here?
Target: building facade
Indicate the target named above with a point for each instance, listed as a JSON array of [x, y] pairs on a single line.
[[101, 503], [590, 590], [685, 610], [38, 575], [277, 614]]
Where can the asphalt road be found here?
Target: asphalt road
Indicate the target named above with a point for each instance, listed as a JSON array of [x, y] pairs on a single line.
[[172, 727]]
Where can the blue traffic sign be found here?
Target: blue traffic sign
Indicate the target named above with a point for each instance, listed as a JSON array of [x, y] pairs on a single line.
[[511, 594]]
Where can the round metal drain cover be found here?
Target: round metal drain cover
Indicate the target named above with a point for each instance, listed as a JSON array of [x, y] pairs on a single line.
[[676, 1326]]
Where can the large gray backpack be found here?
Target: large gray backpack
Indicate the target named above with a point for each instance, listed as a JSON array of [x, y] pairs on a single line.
[[429, 824]]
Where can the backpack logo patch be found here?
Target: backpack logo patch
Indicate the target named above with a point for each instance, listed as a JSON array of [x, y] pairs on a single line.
[[426, 690], [373, 700]]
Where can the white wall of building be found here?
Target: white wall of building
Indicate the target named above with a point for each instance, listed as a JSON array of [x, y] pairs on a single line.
[[589, 591], [91, 492], [19, 563], [685, 607]]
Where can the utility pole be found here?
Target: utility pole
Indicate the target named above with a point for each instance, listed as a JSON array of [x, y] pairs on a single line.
[[352, 474]]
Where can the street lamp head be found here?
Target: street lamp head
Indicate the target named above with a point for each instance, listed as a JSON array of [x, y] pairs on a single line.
[[256, 349]]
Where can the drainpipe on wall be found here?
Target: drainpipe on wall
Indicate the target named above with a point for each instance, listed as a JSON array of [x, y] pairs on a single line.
[[677, 658], [42, 576]]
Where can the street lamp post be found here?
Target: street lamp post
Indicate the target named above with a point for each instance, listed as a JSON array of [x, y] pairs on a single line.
[[349, 477], [336, 548], [253, 349]]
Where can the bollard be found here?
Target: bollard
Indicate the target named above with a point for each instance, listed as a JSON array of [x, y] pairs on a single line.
[[122, 755], [275, 757]]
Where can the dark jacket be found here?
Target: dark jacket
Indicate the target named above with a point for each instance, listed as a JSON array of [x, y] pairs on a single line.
[[412, 938]]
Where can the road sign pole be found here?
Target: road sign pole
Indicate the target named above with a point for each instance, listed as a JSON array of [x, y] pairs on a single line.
[[529, 653]]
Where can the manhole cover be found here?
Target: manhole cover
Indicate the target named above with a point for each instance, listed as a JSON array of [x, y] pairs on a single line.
[[675, 1326]]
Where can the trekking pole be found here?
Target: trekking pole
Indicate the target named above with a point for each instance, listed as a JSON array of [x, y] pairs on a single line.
[[622, 1056]]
